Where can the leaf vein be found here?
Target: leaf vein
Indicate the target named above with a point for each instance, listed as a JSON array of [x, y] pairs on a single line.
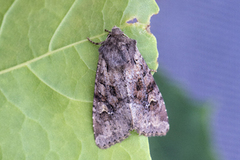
[[83, 60], [103, 15], [54, 88], [124, 13], [45, 55], [4, 17], [51, 41]]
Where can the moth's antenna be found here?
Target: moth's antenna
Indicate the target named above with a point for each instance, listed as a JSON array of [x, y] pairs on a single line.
[[107, 31], [96, 43]]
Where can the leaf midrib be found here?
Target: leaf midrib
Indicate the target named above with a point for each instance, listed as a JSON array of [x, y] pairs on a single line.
[[45, 55], [52, 52]]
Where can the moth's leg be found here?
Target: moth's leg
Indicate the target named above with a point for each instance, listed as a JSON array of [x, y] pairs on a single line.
[[107, 31], [153, 70], [125, 35], [99, 43]]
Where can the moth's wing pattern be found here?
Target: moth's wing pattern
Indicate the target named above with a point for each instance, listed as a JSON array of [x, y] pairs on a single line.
[[126, 96], [148, 109], [112, 119]]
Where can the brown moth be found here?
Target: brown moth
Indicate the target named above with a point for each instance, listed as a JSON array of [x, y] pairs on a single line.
[[126, 96]]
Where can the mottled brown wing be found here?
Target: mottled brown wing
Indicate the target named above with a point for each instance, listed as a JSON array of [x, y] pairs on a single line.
[[111, 112], [148, 109], [126, 96]]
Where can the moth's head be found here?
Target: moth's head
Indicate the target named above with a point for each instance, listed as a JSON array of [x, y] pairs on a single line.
[[116, 31]]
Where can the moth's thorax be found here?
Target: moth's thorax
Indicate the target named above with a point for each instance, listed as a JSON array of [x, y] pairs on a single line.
[[116, 51], [117, 40], [116, 31]]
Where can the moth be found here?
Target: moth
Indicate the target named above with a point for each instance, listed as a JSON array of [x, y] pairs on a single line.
[[126, 96]]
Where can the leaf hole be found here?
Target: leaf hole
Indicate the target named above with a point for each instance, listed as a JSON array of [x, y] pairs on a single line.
[[134, 20]]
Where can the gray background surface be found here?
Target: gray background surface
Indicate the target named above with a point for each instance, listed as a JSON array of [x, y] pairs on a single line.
[[199, 47]]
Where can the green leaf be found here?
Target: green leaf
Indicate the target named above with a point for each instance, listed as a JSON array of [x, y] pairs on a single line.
[[47, 72]]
